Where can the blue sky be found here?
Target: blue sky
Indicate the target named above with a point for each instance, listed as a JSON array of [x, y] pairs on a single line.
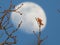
[[52, 28]]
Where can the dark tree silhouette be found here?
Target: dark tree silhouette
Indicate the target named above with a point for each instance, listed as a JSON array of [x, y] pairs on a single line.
[[4, 24]]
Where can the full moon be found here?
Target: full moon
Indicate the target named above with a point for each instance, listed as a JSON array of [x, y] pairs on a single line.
[[29, 11]]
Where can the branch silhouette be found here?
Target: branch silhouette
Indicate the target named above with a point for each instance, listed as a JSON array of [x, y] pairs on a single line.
[[39, 21], [4, 24], [5, 12]]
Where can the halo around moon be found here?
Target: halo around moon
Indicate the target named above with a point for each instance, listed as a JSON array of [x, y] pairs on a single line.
[[29, 11]]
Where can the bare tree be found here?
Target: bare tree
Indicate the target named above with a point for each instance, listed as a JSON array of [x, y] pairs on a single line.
[[7, 11], [39, 21], [4, 24]]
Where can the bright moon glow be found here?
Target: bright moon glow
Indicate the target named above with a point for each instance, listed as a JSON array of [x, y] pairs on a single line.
[[29, 11]]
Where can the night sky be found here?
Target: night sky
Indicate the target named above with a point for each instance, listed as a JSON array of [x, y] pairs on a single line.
[[52, 28]]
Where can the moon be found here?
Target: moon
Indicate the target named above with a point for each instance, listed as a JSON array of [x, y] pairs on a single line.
[[29, 11]]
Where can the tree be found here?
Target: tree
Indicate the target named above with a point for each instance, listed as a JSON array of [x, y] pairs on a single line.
[[4, 24]]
